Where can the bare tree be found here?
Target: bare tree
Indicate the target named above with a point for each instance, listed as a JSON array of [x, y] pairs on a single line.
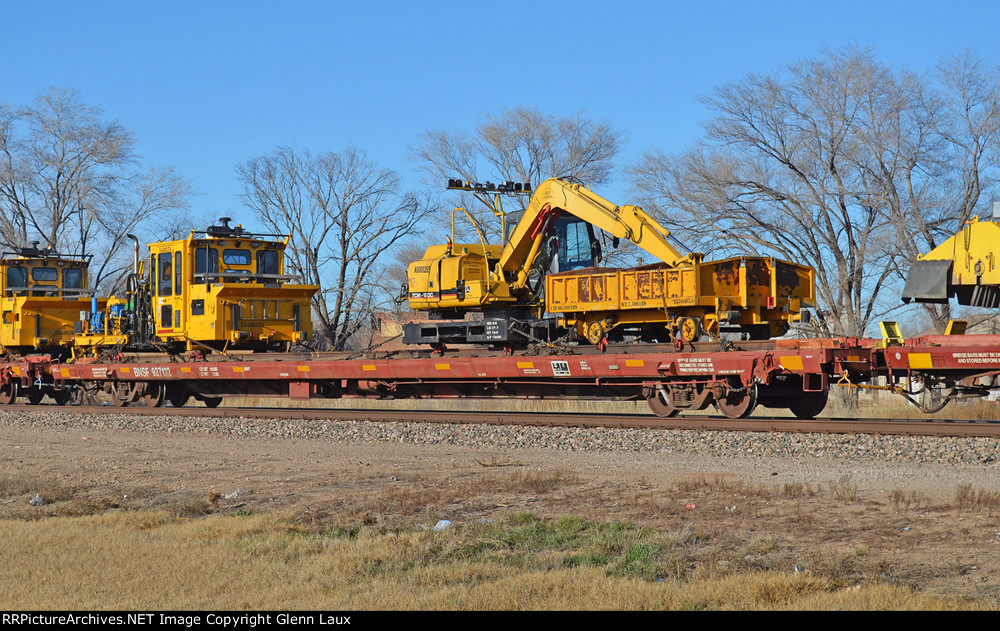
[[524, 145], [70, 179], [343, 212], [963, 119], [839, 162]]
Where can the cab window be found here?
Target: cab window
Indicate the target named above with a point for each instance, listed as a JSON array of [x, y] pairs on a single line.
[[236, 257], [17, 277], [178, 269], [206, 260], [574, 244], [267, 262], [45, 275], [72, 279], [165, 283]]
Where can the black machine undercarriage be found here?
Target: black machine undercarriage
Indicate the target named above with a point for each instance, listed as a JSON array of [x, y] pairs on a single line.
[[492, 331]]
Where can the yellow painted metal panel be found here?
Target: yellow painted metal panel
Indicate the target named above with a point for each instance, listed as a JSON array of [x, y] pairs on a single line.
[[525, 364], [443, 366], [368, 367], [303, 368], [791, 362], [920, 361], [634, 362]]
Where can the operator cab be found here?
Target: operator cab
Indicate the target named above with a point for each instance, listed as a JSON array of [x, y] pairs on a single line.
[[227, 285], [38, 271], [570, 244], [42, 294], [233, 255]]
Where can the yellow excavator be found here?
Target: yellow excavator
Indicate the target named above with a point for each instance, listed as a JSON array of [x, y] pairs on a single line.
[[549, 265], [963, 267]]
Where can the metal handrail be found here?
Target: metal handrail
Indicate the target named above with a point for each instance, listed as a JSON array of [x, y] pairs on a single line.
[[51, 289]]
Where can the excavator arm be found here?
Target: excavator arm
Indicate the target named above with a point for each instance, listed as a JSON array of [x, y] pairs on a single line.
[[555, 196]]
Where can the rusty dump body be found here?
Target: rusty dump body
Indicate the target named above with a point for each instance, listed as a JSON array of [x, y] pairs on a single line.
[[758, 295]]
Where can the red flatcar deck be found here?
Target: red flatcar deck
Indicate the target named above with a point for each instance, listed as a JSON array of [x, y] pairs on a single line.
[[784, 373]]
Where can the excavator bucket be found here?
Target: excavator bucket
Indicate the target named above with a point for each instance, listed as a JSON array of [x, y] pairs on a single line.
[[928, 281], [964, 266]]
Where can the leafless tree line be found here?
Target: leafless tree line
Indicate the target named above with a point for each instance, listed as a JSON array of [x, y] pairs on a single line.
[[71, 180], [522, 145], [840, 162], [344, 213]]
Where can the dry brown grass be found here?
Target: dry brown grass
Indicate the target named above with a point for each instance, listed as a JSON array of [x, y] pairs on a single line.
[[971, 499], [795, 490], [151, 560], [903, 501], [62, 499], [632, 530], [845, 489]]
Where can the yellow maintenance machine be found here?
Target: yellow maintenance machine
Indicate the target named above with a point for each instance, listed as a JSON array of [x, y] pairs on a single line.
[[225, 288], [548, 266], [964, 267], [43, 294]]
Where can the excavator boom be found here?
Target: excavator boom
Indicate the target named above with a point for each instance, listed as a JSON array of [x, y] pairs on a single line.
[[555, 196]]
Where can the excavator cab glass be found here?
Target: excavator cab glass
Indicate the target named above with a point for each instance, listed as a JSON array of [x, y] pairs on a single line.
[[576, 239], [568, 246], [569, 243]]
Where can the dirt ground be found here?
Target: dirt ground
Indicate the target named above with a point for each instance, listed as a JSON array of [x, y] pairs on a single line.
[[935, 528]]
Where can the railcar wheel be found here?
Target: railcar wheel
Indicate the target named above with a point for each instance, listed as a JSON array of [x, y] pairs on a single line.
[[121, 393], [738, 403], [61, 397], [76, 396], [35, 397], [595, 332], [154, 395], [8, 393], [211, 402], [808, 404], [661, 406], [179, 400]]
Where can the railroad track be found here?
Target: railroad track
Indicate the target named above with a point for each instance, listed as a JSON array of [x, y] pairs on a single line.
[[901, 427]]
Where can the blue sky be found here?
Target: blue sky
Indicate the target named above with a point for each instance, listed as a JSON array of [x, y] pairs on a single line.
[[206, 85]]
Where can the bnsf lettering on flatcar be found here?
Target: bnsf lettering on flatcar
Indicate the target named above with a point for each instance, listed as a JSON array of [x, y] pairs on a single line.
[[151, 371]]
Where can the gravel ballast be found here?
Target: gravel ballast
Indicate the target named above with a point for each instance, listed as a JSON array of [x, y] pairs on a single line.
[[852, 447]]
